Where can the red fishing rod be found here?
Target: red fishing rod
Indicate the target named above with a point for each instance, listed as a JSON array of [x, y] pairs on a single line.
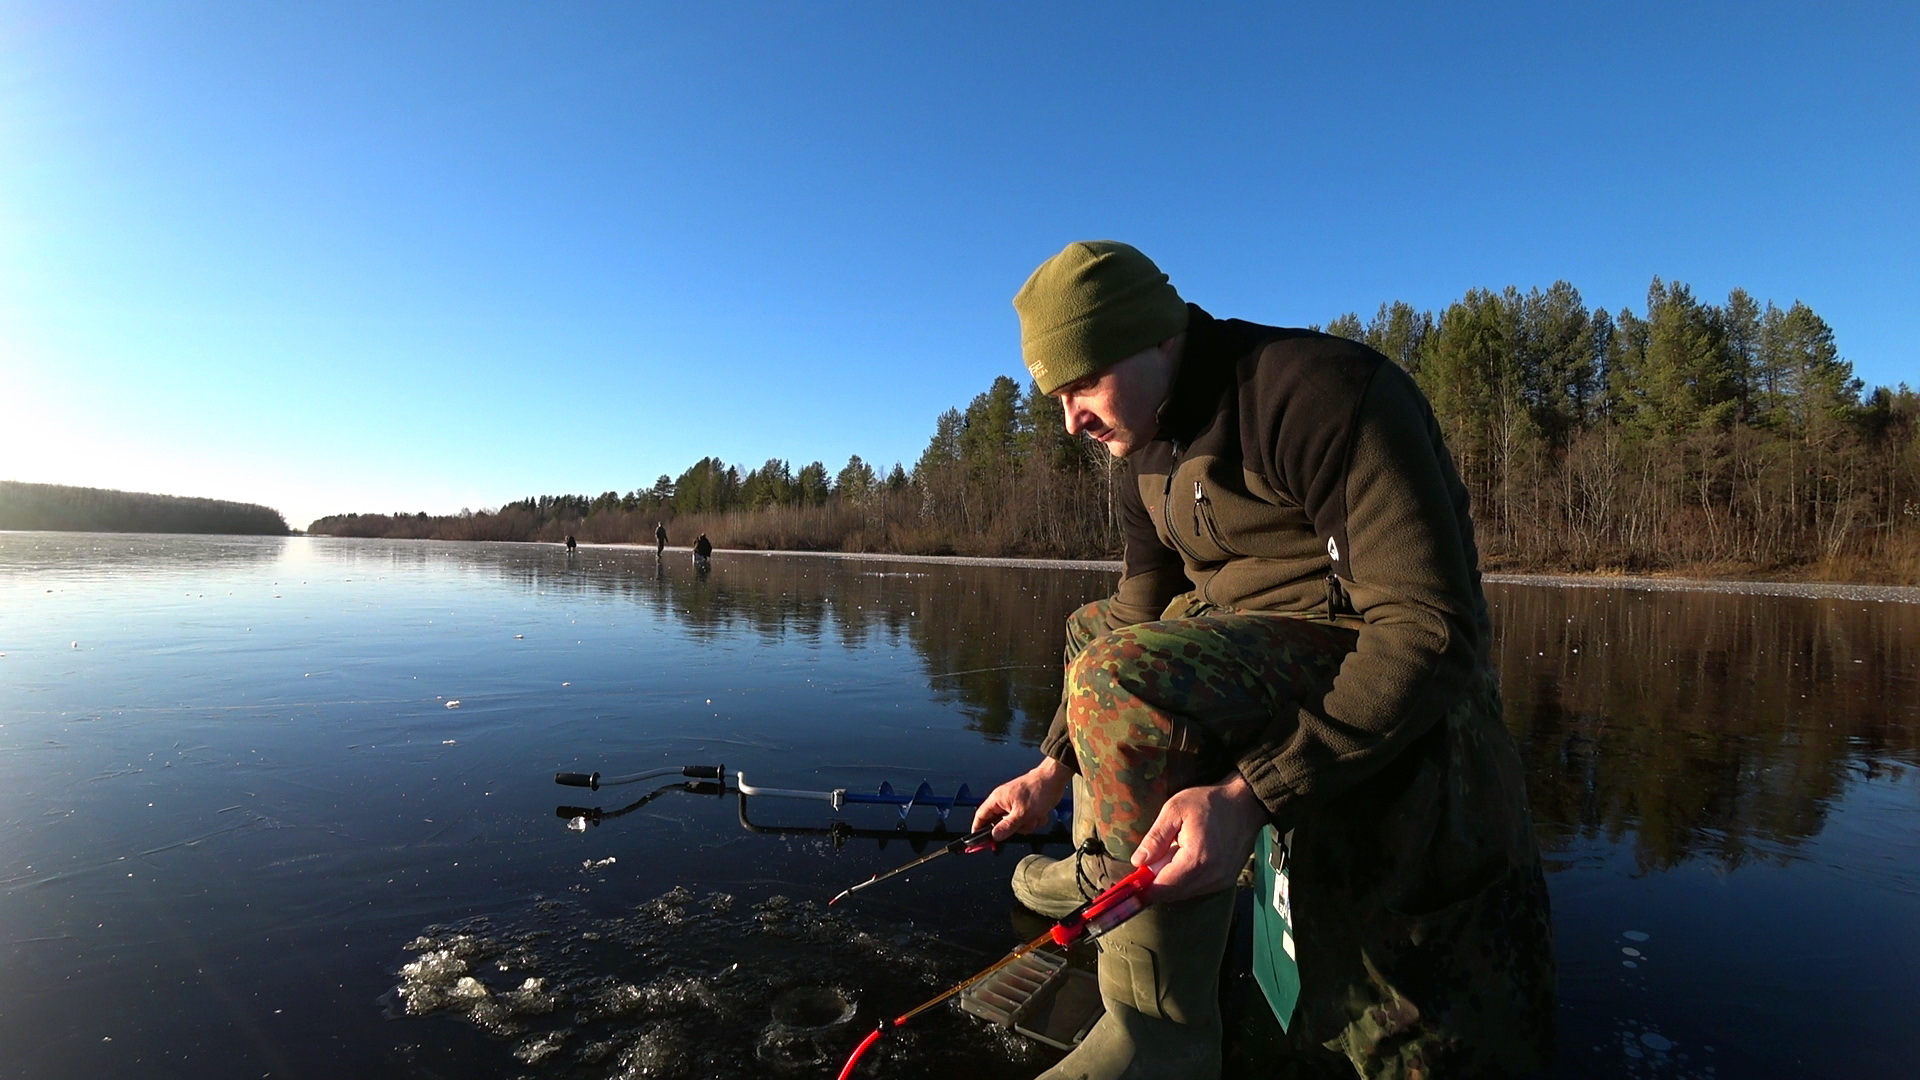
[[1116, 905]]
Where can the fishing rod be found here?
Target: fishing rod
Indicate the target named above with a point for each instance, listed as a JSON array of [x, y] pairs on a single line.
[[1115, 905], [972, 842]]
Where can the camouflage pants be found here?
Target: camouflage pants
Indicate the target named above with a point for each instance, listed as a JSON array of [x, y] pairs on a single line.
[[1421, 911], [1157, 707]]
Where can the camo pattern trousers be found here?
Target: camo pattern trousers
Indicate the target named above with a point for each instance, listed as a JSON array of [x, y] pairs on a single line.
[[1453, 989], [1157, 707]]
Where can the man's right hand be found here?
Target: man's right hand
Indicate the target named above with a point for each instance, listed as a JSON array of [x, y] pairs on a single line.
[[1021, 804]]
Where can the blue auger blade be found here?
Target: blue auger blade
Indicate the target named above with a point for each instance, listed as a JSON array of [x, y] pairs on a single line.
[[920, 794], [924, 796]]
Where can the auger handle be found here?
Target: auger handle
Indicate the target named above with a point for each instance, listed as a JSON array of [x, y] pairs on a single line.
[[578, 779]]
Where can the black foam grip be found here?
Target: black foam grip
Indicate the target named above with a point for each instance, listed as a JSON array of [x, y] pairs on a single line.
[[704, 772], [578, 779]]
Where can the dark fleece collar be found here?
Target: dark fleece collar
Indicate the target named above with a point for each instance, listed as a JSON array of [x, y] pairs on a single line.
[[1207, 364]]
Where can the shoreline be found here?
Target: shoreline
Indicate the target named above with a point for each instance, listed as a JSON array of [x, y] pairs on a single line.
[[1813, 590]]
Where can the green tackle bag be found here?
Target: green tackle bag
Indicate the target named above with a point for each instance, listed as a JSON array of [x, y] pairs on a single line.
[[1273, 947]]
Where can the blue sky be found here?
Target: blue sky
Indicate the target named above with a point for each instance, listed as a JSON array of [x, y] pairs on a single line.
[[336, 257]]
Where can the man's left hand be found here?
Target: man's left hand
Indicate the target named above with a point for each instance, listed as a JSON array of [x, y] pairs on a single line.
[[1209, 831]]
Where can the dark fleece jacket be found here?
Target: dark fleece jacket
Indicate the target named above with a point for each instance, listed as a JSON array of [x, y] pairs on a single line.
[[1303, 474]]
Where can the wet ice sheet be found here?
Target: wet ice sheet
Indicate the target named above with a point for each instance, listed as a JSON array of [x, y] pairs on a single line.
[[226, 814]]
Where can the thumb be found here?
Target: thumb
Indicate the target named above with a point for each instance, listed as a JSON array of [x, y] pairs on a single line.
[[1004, 827], [1159, 840], [989, 811]]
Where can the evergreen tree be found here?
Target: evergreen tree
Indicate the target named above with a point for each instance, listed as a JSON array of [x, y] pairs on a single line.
[[1042, 431], [810, 484], [937, 474], [1627, 356], [1686, 378], [769, 485], [1398, 332], [943, 450], [1553, 347], [1822, 394], [990, 428], [1471, 374], [855, 481], [1594, 409], [710, 485], [1741, 322], [1347, 326]]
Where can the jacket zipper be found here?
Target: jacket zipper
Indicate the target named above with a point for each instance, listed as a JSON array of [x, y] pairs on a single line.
[[1339, 605], [1166, 515], [1166, 508], [1203, 519]]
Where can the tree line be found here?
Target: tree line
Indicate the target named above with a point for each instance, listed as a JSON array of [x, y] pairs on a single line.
[[59, 508], [1691, 435]]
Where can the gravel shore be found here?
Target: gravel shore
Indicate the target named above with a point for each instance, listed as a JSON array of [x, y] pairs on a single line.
[[1817, 590]]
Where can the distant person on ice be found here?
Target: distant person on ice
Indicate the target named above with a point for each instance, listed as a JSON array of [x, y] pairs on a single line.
[[570, 544], [1299, 648], [659, 539], [702, 550]]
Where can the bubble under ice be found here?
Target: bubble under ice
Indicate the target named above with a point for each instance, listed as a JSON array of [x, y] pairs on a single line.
[[689, 986]]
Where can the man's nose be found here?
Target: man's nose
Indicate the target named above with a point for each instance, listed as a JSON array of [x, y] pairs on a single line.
[[1076, 420]]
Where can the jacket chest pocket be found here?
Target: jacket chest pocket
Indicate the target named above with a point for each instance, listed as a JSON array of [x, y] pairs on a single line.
[[1203, 523]]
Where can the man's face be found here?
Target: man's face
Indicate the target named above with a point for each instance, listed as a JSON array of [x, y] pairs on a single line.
[[1120, 407]]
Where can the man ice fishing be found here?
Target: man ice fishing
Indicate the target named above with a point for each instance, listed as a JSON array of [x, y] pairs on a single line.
[[1298, 640]]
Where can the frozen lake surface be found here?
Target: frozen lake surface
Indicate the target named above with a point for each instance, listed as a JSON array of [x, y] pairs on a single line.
[[245, 830]]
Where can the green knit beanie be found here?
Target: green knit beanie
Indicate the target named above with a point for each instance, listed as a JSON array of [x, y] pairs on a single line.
[[1091, 306]]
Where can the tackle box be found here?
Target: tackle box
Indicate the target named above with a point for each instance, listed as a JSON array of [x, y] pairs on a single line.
[[1040, 995]]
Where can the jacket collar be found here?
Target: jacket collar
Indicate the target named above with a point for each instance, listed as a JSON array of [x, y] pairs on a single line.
[[1207, 363]]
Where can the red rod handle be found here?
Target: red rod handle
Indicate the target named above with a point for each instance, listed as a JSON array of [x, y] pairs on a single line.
[[1120, 902]]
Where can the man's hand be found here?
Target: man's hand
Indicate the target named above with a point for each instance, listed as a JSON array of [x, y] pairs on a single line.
[[1209, 831], [1021, 804]]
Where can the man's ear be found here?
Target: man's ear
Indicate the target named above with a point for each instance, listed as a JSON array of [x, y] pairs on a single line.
[[1169, 353]]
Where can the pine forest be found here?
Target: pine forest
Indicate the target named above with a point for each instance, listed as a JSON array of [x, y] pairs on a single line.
[[1693, 437]]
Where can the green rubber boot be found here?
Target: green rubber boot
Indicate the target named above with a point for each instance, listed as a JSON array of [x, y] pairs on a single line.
[[1054, 887], [1047, 886], [1160, 982]]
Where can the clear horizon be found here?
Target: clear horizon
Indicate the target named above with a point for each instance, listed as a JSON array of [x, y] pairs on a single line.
[[352, 258]]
